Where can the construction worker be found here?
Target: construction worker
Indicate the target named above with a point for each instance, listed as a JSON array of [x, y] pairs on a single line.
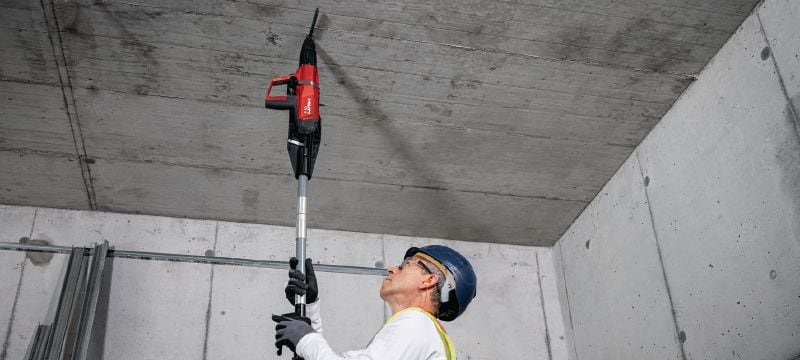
[[433, 283]]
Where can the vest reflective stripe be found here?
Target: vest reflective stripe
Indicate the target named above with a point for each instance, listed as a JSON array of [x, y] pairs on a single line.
[[449, 347]]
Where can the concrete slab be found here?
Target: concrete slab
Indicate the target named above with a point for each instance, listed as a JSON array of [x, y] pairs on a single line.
[[34, 119], [618, 300], [169, 189], [15, 223], [27, 55], [444, 93], [506, 318], [777, 19], [422, 91], [235, 72], [126, 186], [243, 299], [726, 205], [148, 309], [250, 139], [154, 54], [111, 120], [218, 135], [442, 158], [41, 179], [605, 37]]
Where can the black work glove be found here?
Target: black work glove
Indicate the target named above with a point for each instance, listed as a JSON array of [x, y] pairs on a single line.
[[300, 284], [289, 329]]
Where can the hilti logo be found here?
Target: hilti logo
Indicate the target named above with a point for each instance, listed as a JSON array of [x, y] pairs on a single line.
[[307, 108]]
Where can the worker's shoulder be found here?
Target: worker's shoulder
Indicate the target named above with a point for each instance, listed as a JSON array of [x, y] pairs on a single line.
[[414, 315], [411, 324]]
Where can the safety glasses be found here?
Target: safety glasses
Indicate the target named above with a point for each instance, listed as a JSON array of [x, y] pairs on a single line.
[[415, 261]]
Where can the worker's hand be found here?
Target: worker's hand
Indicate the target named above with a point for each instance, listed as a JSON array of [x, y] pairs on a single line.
[[300, 284], [289, 330]]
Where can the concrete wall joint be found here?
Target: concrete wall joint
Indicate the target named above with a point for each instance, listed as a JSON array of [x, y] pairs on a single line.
[[210, 293], [568, 306], [794, 112], [544, 313], [679, 337]]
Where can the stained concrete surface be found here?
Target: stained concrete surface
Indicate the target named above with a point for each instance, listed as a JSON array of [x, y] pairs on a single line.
[[16, 225], [529, 106], [719, 178], [155, 309]]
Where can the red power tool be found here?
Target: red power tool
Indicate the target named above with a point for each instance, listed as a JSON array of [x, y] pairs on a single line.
[[305, 133], [302, 101]]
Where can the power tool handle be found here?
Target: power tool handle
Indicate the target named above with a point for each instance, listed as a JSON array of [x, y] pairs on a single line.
[[280, 102]]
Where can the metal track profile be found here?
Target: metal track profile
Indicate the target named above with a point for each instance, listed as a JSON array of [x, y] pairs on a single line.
[[143, 255], [39, 344], [66, 300], [86, 320]]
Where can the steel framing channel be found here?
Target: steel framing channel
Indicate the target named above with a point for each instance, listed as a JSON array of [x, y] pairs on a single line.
[[143, 255], [37, 349], [66, 301], [86, 321]]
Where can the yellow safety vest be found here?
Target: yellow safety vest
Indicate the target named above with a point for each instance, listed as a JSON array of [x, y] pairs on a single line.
[[449, 348]]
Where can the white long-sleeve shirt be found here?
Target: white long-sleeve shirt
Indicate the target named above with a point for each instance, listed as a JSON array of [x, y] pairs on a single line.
[[410, 334]]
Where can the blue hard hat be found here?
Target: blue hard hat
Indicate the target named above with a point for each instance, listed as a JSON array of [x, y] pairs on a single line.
[[460, 284]]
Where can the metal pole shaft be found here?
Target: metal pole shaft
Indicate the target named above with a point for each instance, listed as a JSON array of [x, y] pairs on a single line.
[[300, 240]]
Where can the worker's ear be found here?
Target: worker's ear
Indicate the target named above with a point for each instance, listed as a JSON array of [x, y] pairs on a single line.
[[428, 282]]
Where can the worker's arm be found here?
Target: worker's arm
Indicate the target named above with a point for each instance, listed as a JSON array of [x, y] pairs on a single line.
[[411, 335], [312, 313]]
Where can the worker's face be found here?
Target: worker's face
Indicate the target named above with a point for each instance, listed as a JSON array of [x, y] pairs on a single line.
[[406, 278]]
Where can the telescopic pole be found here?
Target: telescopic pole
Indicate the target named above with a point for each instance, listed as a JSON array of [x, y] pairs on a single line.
[[300, 239]]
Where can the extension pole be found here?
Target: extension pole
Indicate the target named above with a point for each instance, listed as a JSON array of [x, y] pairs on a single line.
[[300, 240]]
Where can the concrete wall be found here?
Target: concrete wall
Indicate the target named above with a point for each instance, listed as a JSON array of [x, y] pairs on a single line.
[[157, 310], [692, 250]]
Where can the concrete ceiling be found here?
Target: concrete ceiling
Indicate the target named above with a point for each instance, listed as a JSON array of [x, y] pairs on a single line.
[[493, 121]]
